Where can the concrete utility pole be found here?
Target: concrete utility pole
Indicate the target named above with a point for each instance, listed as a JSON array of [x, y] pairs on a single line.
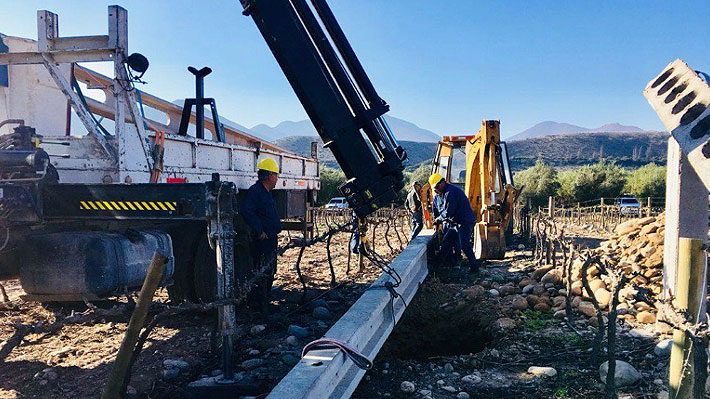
[[680, 97]]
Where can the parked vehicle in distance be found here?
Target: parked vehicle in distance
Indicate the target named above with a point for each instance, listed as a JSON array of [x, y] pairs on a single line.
[[337, 203], [628, 205]]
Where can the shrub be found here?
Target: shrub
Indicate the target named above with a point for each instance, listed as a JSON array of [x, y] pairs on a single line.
[[647, 181], [540, 182], [330, 180], [603, 179]]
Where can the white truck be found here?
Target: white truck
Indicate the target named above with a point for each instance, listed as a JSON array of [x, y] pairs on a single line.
[[83, 214]]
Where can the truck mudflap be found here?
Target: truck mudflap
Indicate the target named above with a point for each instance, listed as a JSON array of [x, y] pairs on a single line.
[[90, 264]]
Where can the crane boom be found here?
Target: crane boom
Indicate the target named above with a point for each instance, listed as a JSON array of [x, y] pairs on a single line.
[[337, 95]]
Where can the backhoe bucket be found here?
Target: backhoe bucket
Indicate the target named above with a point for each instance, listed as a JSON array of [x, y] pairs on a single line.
[[488, 241]]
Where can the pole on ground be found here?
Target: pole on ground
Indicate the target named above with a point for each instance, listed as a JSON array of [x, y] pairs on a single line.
[[689, 298], [114, 385]]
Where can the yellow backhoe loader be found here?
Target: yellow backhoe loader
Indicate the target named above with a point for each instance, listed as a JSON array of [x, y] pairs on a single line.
[[479, 165]]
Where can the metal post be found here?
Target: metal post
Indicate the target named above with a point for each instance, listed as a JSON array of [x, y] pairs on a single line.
[[689, 297], [200, 106], [222, 230]]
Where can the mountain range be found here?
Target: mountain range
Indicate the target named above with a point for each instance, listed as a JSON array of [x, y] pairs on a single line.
[[550, 128], [404, 130]]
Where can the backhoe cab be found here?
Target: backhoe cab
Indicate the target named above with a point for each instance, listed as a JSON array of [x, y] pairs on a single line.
[[479, 165]]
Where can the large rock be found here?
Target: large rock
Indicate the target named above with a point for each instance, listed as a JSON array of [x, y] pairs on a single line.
[[595, 285], [553, 276], [627, 227], [537, 274], [519, 303], [603, 297], [624, 375], [407, 387], [646, 317], [587, 309]]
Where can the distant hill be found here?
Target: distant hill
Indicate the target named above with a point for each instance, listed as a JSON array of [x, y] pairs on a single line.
[[549, 128], [403, 130], [631, 149], [416, 152]]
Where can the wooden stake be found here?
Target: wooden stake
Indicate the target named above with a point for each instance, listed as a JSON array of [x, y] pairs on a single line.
[[114, 385], [689, 297]]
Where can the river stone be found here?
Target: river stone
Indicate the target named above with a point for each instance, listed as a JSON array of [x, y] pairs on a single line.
[[181, 365], [587, 309], [471, 379], [554, 276], [257, 329], [663, 348], [322, 313], [493, 292], [528, 289], [625, 374], [646, 317], [540, 371], [407, 387], [299, 332], [519, 303], [463, 395], [603, 297]]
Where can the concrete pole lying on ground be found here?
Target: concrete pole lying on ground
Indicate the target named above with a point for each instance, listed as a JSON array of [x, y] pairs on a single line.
[[327, 373], [689, 297], [114, 385]]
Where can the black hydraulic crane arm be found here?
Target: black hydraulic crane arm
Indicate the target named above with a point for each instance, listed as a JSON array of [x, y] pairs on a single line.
[[337, 95]]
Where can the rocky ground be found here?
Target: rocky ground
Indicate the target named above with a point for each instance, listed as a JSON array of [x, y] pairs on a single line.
[[74, 361], [503, 333]]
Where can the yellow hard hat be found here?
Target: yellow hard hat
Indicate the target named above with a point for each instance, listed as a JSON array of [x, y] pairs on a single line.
[[268, 164], [434, 179]]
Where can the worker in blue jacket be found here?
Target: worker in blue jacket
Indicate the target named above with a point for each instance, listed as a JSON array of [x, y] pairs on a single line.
[[450, 205], [260, 213]]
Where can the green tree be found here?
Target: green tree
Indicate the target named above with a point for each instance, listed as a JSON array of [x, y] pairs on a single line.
[[330, 180], [540, 182], [647, 181], [602, 179], [420, 174]]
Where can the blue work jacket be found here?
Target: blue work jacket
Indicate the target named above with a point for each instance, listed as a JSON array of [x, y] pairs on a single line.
[[259, 211], [454, 205]]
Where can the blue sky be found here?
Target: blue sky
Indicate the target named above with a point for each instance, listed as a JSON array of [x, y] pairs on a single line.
[[442, 65]]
